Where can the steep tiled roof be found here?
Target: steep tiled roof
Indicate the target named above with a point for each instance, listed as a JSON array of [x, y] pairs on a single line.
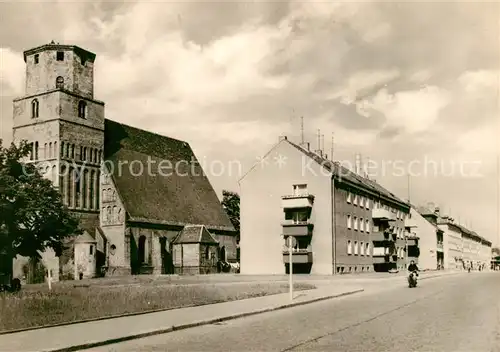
[[195, 234], [342, 173], [178, 197]]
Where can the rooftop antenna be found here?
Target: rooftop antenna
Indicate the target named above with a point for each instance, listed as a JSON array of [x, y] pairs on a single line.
[[302, 130], [319, 141], [331, 152], [409, 189], [322, 143]]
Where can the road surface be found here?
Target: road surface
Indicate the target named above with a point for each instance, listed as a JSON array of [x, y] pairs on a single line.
[[453, 313]]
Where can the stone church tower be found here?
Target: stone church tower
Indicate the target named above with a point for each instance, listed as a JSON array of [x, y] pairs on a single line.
[[64, 124]]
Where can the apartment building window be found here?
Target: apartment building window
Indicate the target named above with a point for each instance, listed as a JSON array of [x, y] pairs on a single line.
[[355, 199], [349, 197], [361, 201], [349, 221], [362, 248], [349, 247], [367, 203], [367, 227], [367, 249], [355, 223], [355, 247], [300, 190], [361, 225]]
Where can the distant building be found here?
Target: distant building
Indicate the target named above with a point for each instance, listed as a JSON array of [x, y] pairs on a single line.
[[342, 221], [430, 239], [462, 248], [108, 173]]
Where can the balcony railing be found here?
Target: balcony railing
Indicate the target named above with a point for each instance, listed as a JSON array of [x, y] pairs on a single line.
[[383, 215], [383, 237], [412, 241], [297, 228], [297, 201], [439, 246], [299, 256]]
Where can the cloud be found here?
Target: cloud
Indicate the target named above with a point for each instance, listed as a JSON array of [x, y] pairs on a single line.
[[11, 72], [392, 80]]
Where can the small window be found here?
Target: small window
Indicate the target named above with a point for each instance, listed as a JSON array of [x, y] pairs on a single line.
[[355, 223], [60, 56], [355, 199], [362, 248], [348, 197], [367, 226], [349, 247], [59, 82], [91, 250], [36, 59], [34, 108], [82, 109], [367, 203], [349, 221], [361, 225], [361, 201], [355, 247]]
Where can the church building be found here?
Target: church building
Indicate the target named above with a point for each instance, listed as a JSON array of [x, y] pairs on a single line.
[[134, 191]]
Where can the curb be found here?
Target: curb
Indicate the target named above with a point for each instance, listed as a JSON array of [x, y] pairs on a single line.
[[196, 324]]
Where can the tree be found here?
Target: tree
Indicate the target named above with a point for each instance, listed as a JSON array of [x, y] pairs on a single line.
[[32, 214], [231, 204]]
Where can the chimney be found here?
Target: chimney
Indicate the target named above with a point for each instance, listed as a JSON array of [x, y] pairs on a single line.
[[308, 146], [436, 211]]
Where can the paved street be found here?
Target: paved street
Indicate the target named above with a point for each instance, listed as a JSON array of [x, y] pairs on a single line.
[[453, 313]]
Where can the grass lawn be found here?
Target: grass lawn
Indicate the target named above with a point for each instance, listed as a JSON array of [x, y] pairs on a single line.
[[67, 302]]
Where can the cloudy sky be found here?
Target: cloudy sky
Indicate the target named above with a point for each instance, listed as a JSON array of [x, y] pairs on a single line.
[[397, 82]]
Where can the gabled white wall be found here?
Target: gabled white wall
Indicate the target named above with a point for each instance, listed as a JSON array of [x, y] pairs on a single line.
[[261, 211]]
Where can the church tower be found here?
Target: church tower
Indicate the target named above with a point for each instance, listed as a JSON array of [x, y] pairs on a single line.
[[64, 124]]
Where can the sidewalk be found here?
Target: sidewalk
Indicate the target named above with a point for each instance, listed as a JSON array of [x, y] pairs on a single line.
[[86, 335], [79, 336]]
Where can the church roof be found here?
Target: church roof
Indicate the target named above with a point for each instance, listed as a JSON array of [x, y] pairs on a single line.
[[160, 180], [194, 234], [85, 237]]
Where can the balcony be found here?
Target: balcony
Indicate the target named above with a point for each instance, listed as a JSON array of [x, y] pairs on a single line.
[[297, 228], [384, 259], [412, 241], [299, 256], [410, 223], [439, 247], [384, 237], [297, 201], [383, 215]]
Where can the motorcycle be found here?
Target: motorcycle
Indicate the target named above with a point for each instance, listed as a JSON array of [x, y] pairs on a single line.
[[412, 279]]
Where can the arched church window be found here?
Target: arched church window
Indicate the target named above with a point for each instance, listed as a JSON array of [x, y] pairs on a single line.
[[59, 82], [34, 108]]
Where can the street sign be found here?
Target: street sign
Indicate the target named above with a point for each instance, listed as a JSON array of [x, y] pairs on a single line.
[[291, 241]]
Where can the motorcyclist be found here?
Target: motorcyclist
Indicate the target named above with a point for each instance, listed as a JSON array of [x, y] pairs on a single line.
[[413, 267]]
